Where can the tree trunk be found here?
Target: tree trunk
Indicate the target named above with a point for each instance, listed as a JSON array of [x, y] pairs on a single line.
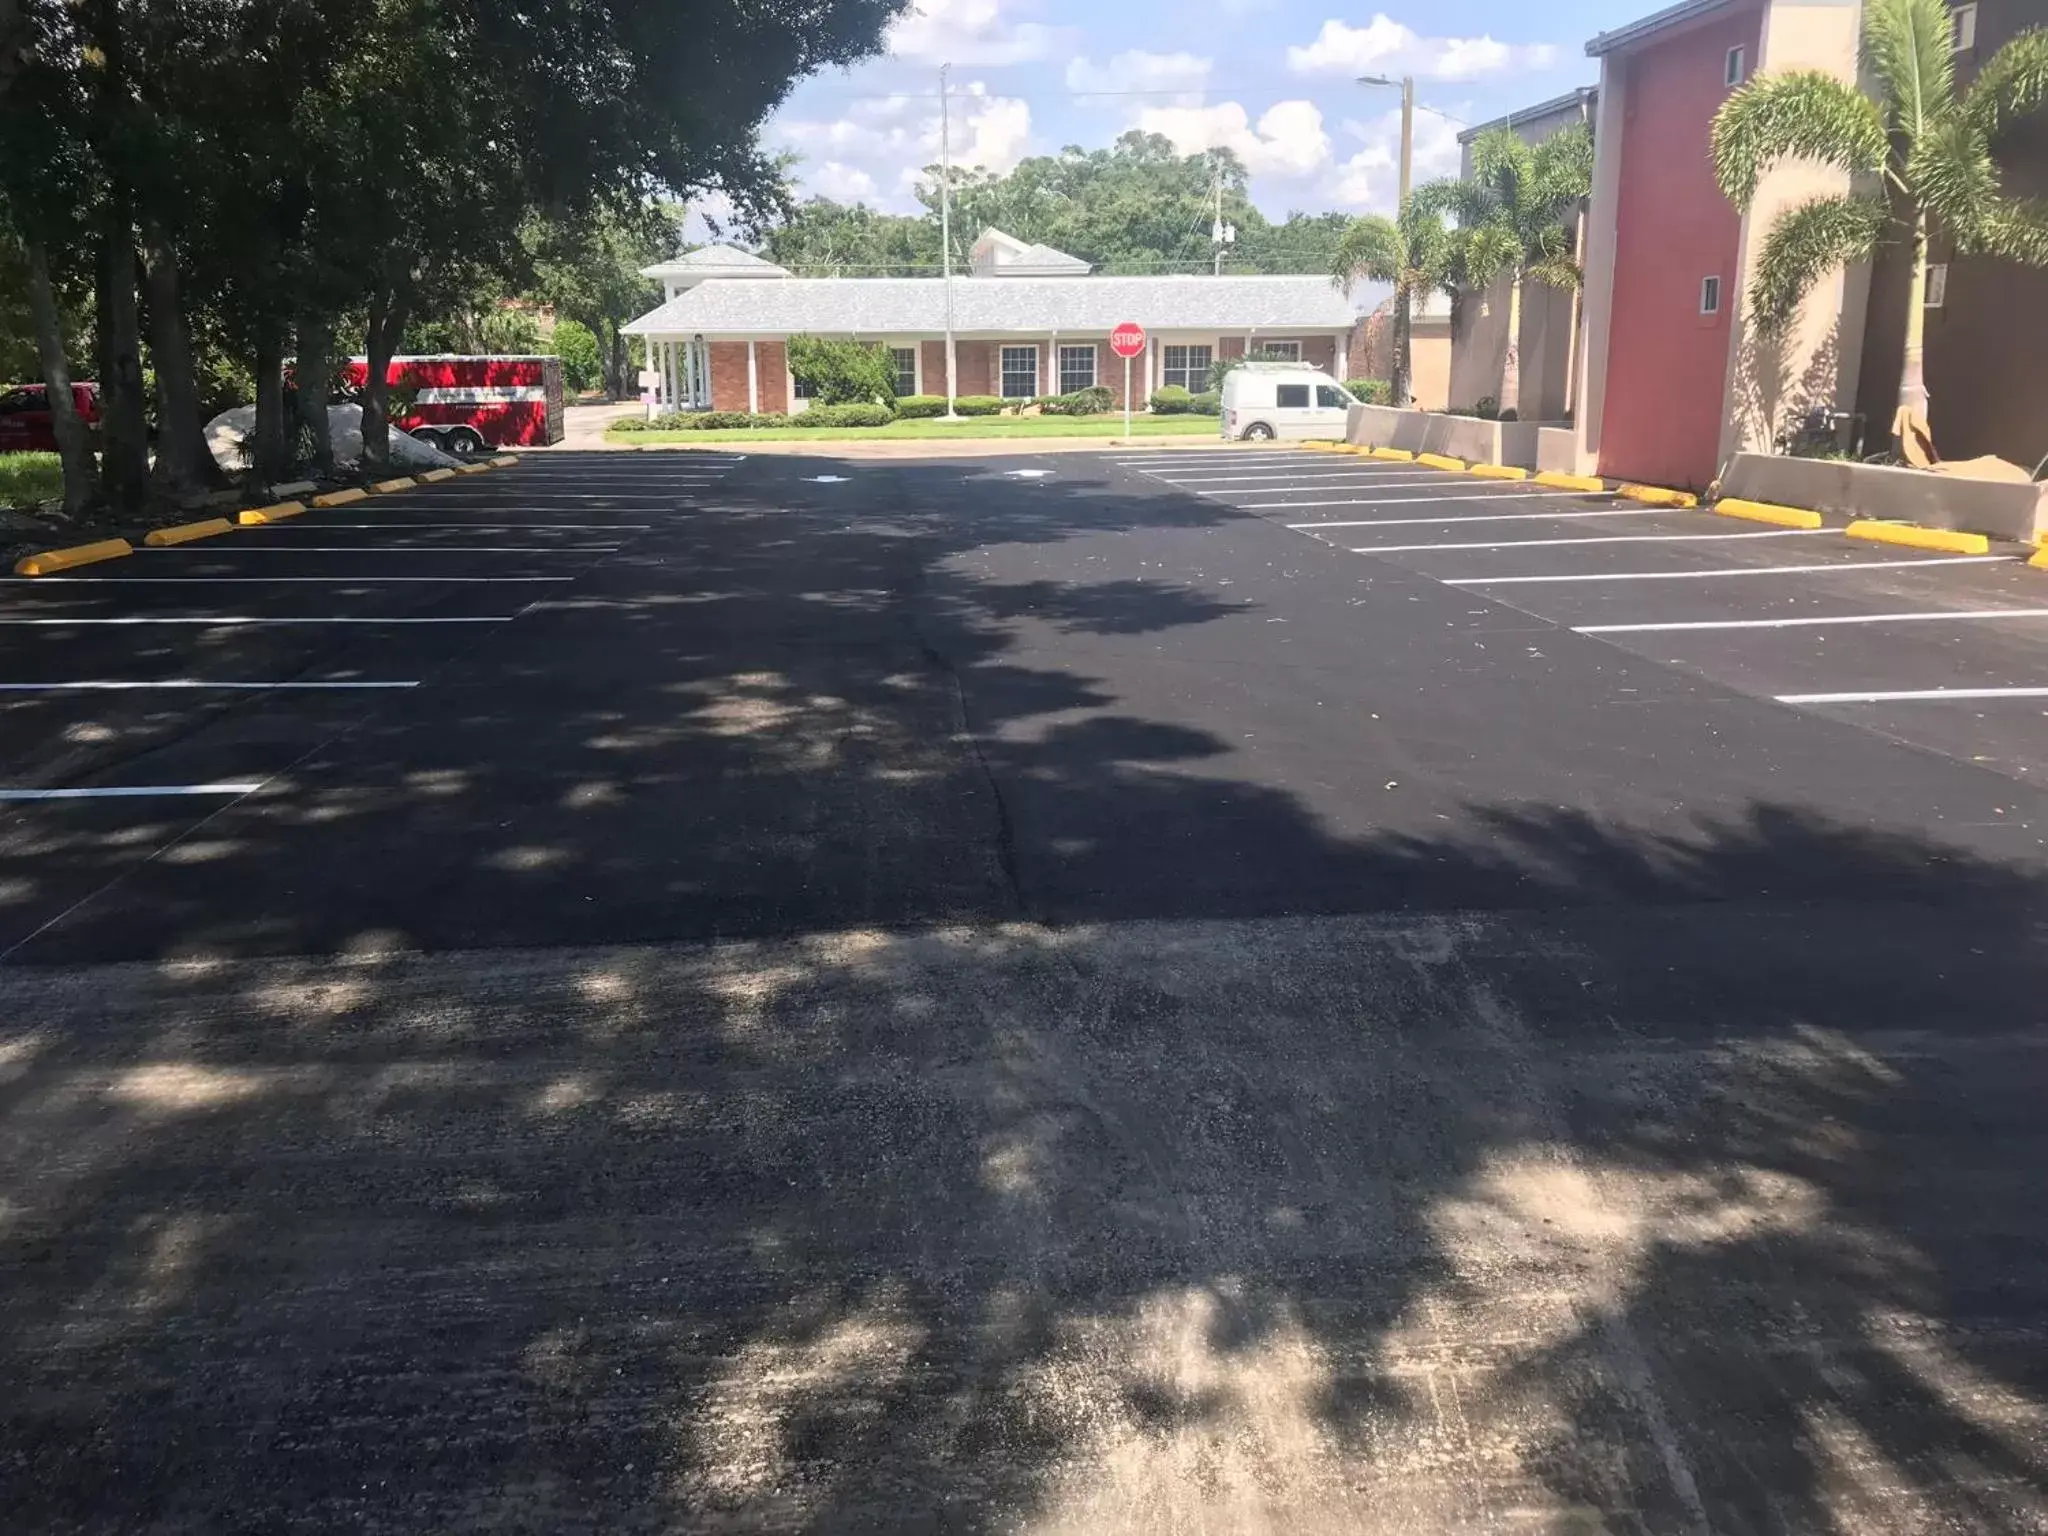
[[1511, 365], [1404, 373], [315, 369], [271, 444], [74, 445], [387, 323], [184, 464], [124, 421], [1571, 359], [1912, 377]]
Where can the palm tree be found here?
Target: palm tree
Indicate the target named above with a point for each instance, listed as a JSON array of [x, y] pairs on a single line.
[[1926, 146], [1511, 222], [1413, 252]]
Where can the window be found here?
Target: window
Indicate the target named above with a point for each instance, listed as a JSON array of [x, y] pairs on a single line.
[[798, 389], [1710, 295], [1330, 398], [905, 359], [1731, 71], [1077, 369], [1289, 350], [1291, 397], [20, 400], [1020, 373], [1937, 284], [1963, 27], [1188, 368]]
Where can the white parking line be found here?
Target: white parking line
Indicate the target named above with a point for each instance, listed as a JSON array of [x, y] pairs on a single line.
[[1347, 472], [48, 582], [407, 527], [1484, 517], [383, 549], [118, 686], [1505, 487], [1612, 538], [1738, 570], [1912, 695], [136, 791], [1807, 623], [1270, 483], [241, 619], [1409, 501]]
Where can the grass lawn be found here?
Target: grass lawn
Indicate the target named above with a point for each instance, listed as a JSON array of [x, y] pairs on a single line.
[[976, 427], [27, 477]]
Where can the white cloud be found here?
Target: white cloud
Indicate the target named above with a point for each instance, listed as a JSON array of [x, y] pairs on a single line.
[[887, 143], [1288, 141], [973, 32], [1384, 46], [1185, 74], [1370, 179]]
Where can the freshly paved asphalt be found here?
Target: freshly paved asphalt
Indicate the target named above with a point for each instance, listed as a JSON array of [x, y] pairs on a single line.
[[952, 999]]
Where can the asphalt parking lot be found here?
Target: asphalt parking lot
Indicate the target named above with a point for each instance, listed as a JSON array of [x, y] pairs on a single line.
[[1154, 991]]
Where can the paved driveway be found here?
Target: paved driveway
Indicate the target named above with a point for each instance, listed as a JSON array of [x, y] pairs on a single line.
[[669, 992]]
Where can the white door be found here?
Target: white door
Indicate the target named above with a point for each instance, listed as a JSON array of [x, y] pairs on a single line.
[[1294, 409], [1333, 406]]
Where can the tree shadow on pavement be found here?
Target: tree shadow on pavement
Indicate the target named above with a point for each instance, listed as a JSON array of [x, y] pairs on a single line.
[[1545, 1167]]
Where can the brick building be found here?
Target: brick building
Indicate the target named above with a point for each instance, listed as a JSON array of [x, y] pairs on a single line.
[[1027, 321]]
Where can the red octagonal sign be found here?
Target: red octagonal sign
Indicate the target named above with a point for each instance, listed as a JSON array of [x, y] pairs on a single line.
[[1127, 340]]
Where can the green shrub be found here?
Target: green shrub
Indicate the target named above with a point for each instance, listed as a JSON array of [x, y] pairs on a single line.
[[1172, 401], [717, 421], [836, 372], [855, 414], [769, 419], [977, 405], [1207, 403], [917, 407], [582, 363], [1371, 391], [1092, 401], [633, 424]]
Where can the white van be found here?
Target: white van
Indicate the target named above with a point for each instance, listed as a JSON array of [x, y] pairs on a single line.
[[1268, 400]]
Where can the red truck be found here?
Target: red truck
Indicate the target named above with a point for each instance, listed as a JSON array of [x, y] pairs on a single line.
[[25, 417], [464, 404]]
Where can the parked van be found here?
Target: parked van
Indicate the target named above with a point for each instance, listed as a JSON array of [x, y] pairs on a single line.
[[1268, 400]]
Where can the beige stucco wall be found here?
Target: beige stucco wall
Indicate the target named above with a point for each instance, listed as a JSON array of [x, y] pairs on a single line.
[[1597, 261], [1479, 351], [1771, 384]]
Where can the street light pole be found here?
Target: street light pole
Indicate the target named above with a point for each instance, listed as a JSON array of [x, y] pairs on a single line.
[[946, 228], [1399, 384]]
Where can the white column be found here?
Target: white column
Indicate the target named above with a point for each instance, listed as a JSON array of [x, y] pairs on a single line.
[[1049, 378], [753, 381], [704, 374], [1145, 386], [659, 363]]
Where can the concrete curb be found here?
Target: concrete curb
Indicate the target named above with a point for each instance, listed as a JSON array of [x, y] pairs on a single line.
[[505, 460], [1768, 512], [387, 487], [1945, 539], [1497, 471], [1440, 461], [49, 561], [1565, 482], [293, 488], [185, 533], [435, 476], [1392, 455], [273, 514], [2039, 560], [341, 498], [1657, 496], [472, 469]]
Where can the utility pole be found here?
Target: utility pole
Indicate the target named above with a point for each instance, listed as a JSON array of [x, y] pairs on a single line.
[[1220, 233], [946, 229]]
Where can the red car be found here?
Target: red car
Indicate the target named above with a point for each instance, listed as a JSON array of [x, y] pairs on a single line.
[[25, 417]]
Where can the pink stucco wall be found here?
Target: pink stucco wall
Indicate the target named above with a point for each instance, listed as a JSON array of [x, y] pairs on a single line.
[[1667, 364]]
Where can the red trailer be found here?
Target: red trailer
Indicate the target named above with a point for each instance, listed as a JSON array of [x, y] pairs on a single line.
[[465, 403]]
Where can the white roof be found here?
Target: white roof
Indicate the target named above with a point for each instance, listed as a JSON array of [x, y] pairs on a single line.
[[1030, 306], [715, 261], [1000, 254]]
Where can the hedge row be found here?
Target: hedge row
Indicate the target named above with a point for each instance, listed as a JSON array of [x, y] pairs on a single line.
[[1175, 401]]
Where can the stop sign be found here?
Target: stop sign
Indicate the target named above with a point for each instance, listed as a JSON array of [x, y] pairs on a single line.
[[1128, 339]]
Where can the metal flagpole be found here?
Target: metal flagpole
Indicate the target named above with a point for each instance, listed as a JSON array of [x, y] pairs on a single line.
[[946, 228]]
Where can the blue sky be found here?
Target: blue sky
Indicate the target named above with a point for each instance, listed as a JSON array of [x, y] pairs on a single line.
[[1272, 79]]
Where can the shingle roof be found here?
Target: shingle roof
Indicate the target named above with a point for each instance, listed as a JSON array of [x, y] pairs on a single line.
[[715, 259], [902, 306]]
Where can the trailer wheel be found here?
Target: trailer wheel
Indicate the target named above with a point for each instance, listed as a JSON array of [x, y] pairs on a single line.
[[463, 440]]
